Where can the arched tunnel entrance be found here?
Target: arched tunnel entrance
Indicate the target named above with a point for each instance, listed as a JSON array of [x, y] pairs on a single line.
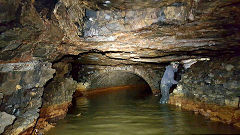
[[117, 78], [104, 76], [100, 82], [123, 111], [107, 110]]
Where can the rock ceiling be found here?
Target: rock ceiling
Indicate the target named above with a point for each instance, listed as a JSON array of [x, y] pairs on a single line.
[[117, 31]]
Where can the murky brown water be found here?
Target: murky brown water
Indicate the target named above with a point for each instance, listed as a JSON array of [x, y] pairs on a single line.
[[126, 112]]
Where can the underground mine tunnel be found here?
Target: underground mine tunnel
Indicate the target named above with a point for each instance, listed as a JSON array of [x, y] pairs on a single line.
[[95, 67]]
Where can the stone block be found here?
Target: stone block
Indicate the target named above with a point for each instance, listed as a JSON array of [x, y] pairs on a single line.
[[177, 13], [59, 91], [229, 67]]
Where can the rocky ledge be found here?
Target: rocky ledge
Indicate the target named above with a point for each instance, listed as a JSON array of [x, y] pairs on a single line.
[[211, 89], [224, 114]]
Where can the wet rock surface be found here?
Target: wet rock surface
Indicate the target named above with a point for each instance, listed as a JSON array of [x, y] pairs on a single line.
[[225, 114], [57, 96], [59, 92], [22, 89], [152, 31], [100, 25], [6, 119], [209, 87], [213, 81], [26, 75], [61, 88], [25, 106]]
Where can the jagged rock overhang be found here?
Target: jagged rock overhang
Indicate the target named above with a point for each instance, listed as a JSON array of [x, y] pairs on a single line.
[[202, 31]]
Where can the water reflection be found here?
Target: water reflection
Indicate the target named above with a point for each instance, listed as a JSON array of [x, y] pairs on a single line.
[[124, 113]]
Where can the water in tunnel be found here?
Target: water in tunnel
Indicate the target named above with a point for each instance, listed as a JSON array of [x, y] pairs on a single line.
[[126, 112], [115, 50]]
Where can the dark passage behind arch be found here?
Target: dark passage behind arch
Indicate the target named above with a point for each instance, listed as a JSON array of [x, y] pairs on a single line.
[[118, 78]]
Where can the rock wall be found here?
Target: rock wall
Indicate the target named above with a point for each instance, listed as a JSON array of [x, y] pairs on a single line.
[[136, 31], [102, 25], [57, 96], [21, 88], [69, 15], [211, 88], [8, 13], [6, 119]]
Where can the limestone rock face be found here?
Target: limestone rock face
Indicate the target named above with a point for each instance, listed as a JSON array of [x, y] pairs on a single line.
[[26, 110], [8, 10], [6, 119], [58, 93], [102, 24], [27, 75], [21, 91], [213, 81], [146, 31], [69, 15], [176, 13], [24, 32], [210, 88], [57, 97]]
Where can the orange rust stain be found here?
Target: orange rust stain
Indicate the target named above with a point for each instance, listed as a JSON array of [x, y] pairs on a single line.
[[111, 89]]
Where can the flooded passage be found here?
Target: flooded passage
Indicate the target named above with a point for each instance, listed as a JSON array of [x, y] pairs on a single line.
[[130, 112]]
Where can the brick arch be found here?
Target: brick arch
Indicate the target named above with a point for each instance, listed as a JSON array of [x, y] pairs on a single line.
[[150, 75], [103, 76]]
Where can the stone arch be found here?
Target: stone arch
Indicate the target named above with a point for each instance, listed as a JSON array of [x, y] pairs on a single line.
[[116, 78], [148, 74]]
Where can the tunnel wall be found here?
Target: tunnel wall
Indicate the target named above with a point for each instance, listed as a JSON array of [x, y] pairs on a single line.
[[151, 74], [211, 88], [21, 90]]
